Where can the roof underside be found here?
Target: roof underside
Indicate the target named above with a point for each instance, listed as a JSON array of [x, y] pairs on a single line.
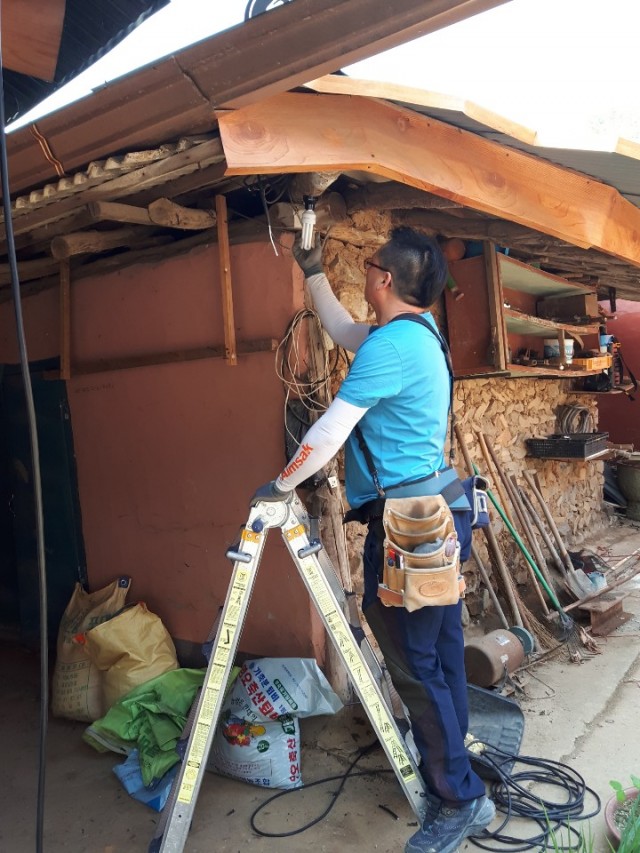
[[154, 136], [91, 28]]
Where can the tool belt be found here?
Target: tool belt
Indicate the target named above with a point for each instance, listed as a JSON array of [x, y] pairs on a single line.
[[444, 482], [421, 554]]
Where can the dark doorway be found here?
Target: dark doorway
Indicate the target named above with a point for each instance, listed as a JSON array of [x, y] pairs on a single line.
[[64, 548]]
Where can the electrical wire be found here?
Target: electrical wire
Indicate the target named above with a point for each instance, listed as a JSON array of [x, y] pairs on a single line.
[[348, 774], [574, 419], [514, 796], [513, 793], [35, 460], [292, 368]]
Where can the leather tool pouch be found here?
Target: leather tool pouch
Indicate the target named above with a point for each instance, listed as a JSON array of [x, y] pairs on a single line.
[[421, 554]]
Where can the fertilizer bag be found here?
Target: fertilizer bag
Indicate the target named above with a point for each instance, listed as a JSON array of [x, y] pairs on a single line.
[[131, 648], [76, 683], [258, 737]]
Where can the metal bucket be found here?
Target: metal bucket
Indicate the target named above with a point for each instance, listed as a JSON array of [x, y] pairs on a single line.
[[629, 482], [486, 659]]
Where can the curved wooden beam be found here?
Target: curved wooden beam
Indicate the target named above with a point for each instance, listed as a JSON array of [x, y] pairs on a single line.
[[308, 132]]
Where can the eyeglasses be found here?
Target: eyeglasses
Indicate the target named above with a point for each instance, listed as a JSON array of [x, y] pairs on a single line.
[[370, 263]]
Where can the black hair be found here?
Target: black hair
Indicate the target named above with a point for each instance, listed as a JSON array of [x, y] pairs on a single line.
[[417, 265]]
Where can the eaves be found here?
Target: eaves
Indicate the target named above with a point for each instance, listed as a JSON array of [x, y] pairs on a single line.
[[176, 96]]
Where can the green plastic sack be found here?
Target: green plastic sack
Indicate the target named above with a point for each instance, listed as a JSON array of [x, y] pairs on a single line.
[[150, 718]]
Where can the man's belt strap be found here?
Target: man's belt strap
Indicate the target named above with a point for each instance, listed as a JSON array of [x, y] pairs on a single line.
[[444, 482]]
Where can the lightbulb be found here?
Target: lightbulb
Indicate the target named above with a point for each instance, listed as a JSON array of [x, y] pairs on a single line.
[[308, 219]]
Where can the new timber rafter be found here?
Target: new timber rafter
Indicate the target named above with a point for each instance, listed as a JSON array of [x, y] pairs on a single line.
[[297, 132]]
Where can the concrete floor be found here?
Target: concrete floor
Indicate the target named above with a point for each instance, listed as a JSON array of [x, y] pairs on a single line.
[[584, 714]]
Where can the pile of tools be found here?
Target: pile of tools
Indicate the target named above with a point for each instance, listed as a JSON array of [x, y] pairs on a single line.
[[559, 581]]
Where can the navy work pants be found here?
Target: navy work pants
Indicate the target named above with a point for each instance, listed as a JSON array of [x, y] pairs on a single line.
[[424, 653]]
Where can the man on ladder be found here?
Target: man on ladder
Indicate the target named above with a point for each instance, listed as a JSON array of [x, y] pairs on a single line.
[[392, 412]]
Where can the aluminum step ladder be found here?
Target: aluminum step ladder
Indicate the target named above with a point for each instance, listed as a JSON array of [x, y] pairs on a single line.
[[339, 615]]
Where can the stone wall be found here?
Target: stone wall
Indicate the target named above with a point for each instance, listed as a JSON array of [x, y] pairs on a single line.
[[507, 410]]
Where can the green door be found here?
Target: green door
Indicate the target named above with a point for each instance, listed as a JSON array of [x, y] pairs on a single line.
[[64, 549]]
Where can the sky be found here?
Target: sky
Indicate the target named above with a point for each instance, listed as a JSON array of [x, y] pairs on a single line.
[[565, 68]]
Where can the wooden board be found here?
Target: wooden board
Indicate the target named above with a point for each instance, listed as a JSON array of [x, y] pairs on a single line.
[[31, 34], [469, 321], [297, 132], [520, 276]]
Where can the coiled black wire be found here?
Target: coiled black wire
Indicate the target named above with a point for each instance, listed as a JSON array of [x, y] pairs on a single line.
[[514, 796]]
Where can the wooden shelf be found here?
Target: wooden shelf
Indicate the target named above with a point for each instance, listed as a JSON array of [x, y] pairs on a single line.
[[517, 275], [525, 324], [499, 316], [549, 371]]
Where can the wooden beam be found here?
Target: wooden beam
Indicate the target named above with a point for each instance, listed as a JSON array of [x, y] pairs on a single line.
[[92, 242], [288, 134], [65, 320], [156, 249], [174, 357], [225, 281], [113, 211], [29, 270], [153, 175], [73, 221], [162, 211], [393, 196], [197, 180]]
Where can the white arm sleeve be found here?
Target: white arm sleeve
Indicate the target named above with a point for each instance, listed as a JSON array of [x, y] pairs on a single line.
[[320, 444], [335, 318]]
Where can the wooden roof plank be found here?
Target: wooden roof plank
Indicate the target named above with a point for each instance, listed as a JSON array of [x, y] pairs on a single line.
[[335, 84]]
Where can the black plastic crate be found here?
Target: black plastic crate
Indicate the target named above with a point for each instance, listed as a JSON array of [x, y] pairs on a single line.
[[579, 445]]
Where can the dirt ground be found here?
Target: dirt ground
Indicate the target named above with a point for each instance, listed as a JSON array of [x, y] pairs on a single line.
[[582, 713]]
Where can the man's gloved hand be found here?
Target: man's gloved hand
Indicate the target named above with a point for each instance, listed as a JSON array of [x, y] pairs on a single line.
[[309, 260], [270, 492]]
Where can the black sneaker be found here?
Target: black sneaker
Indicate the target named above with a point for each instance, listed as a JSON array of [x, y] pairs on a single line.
[[451, 826]]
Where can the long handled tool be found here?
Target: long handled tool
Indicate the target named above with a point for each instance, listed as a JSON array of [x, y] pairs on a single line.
[[492, 593], [492, 542], [543, 533], [489, 455], [577, 587]]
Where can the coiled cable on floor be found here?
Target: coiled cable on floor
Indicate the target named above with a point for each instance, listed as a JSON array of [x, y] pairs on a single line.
[[514, 795]]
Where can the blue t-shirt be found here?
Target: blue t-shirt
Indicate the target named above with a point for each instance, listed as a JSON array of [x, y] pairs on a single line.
[[400, 374]]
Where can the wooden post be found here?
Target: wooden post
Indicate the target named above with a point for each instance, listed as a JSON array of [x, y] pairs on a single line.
[[331, 527], [65, 320], [563, 354], [225, 280], [496, 314]]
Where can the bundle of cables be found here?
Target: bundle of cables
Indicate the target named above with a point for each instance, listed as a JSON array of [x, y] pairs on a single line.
[[306, 395], [574, 419], [548, 793]]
